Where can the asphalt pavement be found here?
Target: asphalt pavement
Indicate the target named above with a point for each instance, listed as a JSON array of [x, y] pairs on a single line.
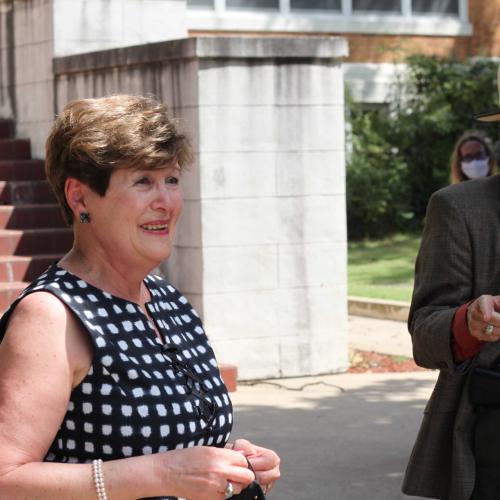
[[342, 436]]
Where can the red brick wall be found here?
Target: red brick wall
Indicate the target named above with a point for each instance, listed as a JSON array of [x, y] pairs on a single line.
[[484, 15], [376, 48]]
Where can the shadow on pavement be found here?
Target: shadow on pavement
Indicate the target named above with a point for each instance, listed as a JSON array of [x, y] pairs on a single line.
[[337, 443]]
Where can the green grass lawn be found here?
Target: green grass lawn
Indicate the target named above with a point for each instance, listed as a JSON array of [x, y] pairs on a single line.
[[383, 269]]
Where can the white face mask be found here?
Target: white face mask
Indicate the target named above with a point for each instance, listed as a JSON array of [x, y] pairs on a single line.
[[476, 168]]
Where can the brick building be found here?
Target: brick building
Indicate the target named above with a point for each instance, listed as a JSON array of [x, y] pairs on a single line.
[[380, 33], [262, 252]]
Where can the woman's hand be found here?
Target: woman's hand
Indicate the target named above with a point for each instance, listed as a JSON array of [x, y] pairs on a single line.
[[483, 318], [265, 462], [203, 472]]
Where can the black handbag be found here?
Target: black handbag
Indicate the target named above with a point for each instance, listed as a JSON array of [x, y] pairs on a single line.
[[253, 491]]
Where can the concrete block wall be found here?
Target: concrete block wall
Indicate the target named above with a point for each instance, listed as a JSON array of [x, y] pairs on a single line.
[[271, 157], [7, 82], [372, 82], [26, 82]]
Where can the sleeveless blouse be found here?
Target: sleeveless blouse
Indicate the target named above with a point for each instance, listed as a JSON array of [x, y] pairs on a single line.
[[139, 396]]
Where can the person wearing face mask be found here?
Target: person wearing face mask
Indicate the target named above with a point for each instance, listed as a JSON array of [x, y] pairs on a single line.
[[472, 157]]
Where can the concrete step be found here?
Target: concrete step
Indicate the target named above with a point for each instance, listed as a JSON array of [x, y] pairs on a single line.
[[22, 170], [6, 129], [26, 192], [9, 292], [15, 149], [378, 308], [15, 268], [31, 216], [35, 241]]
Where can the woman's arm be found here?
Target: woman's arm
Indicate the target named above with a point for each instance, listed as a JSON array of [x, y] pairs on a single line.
[[44, 355]]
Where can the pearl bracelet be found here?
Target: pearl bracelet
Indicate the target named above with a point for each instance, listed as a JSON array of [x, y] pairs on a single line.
[[99, 479]]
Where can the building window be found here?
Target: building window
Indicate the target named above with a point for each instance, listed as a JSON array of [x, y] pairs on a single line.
[[253, 4], [334, 5], [376, 6], [207, 4], [392, 17], [416, 7], [435, 6]]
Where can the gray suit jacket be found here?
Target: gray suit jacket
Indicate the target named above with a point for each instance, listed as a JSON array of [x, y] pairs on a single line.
[[458, 260]]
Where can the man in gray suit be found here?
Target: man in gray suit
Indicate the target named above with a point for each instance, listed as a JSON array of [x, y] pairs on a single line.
[[455, 326]]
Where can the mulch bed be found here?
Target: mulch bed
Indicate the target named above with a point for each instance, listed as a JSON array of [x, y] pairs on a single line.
[[365, 361]]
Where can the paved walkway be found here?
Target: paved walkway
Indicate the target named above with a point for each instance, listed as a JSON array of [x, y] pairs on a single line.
[[341, 437], [379, 335]]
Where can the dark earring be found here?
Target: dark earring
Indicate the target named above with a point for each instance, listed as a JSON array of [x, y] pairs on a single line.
[[85, 218]]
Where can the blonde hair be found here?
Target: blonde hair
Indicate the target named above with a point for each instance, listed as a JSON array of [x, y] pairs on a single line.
[[470, 135], [93, 137]]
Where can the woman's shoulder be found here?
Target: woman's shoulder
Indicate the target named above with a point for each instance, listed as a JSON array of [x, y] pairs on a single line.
[[36, 308], [40, 320], [39, 301]]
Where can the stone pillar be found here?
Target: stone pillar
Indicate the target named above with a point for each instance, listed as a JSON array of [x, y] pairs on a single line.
[[261, 245], [26, 81], [262, 250]]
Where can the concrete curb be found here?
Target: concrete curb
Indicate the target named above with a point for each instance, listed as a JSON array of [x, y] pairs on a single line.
[[378, 308]]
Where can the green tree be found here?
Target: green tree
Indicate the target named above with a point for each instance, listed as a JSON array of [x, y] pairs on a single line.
[[434, 104], [400, 156], [376, 180]]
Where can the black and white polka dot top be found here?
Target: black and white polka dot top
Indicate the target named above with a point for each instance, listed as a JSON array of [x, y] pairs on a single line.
[[140, 396]]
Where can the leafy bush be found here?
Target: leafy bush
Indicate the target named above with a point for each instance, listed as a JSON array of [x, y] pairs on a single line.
[[401, 155], [377, 186]]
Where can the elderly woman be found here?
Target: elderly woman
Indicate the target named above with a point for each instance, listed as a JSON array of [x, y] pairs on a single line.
[[108, 386]]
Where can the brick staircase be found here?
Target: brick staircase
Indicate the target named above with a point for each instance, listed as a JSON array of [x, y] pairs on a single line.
[[32, 231]]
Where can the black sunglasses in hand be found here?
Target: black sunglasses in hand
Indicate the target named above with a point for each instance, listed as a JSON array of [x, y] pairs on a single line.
[[253, 491], [194, 385]]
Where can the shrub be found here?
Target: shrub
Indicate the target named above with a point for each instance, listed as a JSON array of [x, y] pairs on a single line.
[[401, 155], [377, 185]]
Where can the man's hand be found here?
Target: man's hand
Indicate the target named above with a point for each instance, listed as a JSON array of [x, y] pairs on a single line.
[[483, 318]]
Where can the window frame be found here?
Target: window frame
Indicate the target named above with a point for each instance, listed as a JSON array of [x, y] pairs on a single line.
[[325, 21]]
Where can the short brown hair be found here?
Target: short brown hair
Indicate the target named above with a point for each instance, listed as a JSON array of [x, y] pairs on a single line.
[[470, 135], [93, 137]]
